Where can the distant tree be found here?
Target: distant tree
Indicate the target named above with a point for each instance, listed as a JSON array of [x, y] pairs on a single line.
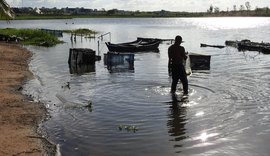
[[211, 8], [112, 12], [242, 8], [234, 8], [216, 9], [5, 10], [247, 4], [256, 9]]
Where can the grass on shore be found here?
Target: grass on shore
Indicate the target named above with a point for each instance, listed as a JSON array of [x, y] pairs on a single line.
[[31, 36], [40, 17]]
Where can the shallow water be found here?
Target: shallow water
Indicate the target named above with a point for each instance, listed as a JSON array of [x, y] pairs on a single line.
[[226, 113]]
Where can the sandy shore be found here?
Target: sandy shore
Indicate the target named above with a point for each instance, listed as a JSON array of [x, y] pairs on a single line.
[[19, 117]]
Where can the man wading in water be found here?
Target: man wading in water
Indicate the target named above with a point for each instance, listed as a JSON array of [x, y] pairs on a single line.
[[177, 56]]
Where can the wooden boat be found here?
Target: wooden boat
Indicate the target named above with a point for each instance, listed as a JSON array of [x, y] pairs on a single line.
[[214, 46], [148, 39], [250, 46], [154, 39], [135, 46], [254, 46]]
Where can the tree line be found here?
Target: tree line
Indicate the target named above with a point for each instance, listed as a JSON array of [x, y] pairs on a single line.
[[243, 10]]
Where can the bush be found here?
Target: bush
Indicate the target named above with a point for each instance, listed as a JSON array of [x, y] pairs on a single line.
[[32, 36]]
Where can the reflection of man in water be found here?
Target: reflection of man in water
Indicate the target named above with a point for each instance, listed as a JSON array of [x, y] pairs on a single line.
[[176, 122], [177, 56]]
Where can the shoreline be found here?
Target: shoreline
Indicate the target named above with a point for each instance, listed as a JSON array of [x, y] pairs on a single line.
[[123, 17], [185, 15], [19, 116]]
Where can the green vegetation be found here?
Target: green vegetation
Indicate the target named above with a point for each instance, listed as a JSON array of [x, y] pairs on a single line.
[[5, 11], [81, 31], [128, 128], [24, 13], [244, 10], [212, 12], [31, 36], [40, 17]]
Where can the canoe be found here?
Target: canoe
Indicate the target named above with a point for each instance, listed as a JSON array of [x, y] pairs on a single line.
[[148, 39], [135, 46], [250, 46], [154, 39], [214, 46]]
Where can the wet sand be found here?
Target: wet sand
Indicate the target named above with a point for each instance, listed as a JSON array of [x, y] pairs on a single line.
[[19, 116]]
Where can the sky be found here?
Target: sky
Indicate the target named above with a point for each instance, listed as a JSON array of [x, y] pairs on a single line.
[[142, 5]]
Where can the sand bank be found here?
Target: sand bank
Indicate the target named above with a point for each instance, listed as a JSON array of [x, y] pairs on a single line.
[[19, 117]]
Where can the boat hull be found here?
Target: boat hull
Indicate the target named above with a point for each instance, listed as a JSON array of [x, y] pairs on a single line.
[[136, 46]]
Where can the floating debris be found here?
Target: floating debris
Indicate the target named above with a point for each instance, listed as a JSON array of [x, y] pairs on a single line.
[[67, 85], [128, 128], [70, 104], [89, 106]]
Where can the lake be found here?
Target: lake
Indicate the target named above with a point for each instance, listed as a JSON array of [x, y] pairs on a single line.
[[227, 111]]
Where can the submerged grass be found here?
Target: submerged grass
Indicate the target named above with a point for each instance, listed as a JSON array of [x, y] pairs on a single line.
[[32, 36]]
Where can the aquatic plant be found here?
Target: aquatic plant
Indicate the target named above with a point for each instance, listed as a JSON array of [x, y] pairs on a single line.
[[128, 128], [81, 31], [66, 85], [31, 36], [89, 106]]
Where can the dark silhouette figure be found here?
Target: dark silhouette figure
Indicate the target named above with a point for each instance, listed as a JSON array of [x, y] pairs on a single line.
[[177, 57]]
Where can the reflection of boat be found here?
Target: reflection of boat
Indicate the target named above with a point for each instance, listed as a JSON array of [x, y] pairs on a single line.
[[135, 46]]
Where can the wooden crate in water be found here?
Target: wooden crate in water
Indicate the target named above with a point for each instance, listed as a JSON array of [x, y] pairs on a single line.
[[81, 56], [199, 61]]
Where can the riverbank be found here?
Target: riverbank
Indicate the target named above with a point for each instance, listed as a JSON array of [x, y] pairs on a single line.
[[54, 13], [19, 116], [150, 15]]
